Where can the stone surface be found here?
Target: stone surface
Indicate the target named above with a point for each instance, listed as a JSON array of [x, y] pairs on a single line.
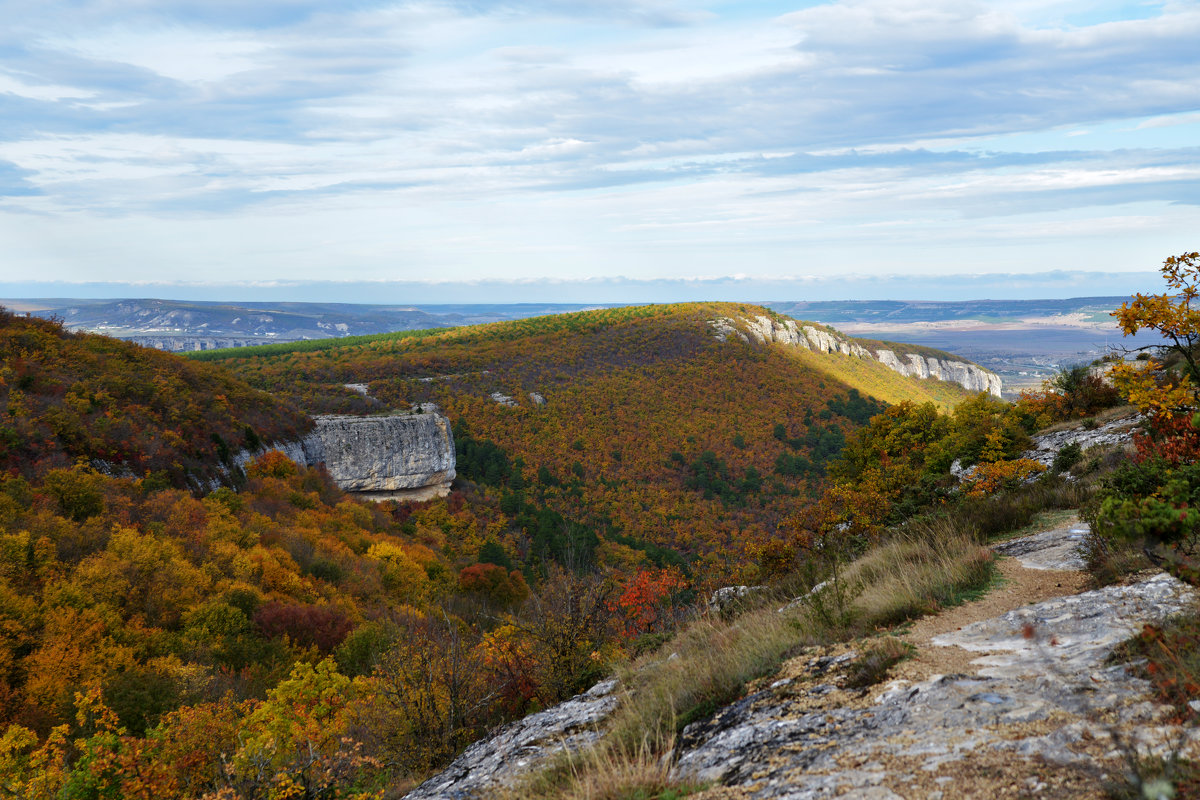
[[383, 453], [1055, 549], [504, 399], [397, 455], [515, 749], [1118, 431], [969, 376], [763, 329], [730, 594], [1040, 692]]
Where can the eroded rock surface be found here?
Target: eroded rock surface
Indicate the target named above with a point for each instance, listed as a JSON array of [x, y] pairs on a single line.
[[383, 453], [505, 756], [1118, 431], [1036, 696], [765, 329], [1055, 549], [408, 455]]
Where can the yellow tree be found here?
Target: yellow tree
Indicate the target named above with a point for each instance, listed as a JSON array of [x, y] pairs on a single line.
[[1174, 316]]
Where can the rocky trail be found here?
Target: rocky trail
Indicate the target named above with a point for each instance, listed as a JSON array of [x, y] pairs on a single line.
[[1006, 696], [1009, 695]]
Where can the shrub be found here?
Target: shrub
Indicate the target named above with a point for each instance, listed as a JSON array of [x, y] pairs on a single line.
[[78, 491], [1067, 457], [499, 587], [323, 627], [272, 465], [991, 478], [872, 666]]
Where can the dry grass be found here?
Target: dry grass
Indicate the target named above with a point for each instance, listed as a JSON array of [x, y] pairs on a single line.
[[872, 666], [702, 669], [608, 772], [708, 664], [914, 575], [1099, 418], [1043, 521], [874, 379]]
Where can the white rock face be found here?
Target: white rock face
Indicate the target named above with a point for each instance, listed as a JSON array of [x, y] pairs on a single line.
[[763, 329], [1042, 663], [504, 399], [1118, 431], [1056, 549], [378, 455], [385, 453], [730, 594]]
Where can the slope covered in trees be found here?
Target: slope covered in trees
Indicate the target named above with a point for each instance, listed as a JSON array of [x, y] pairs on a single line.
[[283, 639], [277, 637], [618, 424], [66, 396]]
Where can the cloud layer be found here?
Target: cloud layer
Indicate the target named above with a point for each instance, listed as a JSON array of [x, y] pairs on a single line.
[[639, 138]]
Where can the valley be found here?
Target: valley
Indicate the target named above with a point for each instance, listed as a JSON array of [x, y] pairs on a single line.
[[444, 530]]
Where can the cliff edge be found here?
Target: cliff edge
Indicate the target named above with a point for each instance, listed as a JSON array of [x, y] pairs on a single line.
[[409, 456], [763, 329]]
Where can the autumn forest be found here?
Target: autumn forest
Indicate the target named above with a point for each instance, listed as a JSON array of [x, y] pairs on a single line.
[[185, 612]]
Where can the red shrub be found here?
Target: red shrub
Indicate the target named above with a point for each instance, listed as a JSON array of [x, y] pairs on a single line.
[[322, 626]]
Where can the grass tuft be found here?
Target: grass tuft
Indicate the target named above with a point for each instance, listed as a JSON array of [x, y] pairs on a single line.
[[872, 666], [639, 771]]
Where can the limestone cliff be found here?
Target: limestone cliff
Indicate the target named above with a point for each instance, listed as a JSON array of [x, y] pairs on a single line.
[[410, 455], [764, 329]]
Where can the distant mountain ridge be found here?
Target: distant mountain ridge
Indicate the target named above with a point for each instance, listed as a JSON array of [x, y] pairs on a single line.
[[909, 360], [902, 311], [179, 326]]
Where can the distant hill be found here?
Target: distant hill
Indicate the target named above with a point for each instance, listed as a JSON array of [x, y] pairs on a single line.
[[69, 396], [639, 424], [1095, 309], [1024, 341], [178, 326]]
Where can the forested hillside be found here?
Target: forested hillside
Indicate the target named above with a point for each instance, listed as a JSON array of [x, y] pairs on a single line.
[[65, 396], [276, 637], [608, 429]]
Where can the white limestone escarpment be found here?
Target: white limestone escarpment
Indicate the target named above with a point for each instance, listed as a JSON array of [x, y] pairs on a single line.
[[408, 456], [763, 329]]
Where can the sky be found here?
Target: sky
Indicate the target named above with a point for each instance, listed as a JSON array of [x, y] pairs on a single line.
[[596, 150]]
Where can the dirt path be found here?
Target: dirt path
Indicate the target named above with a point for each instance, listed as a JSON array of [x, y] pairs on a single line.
[[1020, 586]]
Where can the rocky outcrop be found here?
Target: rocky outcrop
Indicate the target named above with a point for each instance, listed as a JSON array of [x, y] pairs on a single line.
[[969, 376], [399, 455], [1042, 693], [764, 329], [1117, 431], [728, 595], [1038, 693], [519, 747], [185, 344], [1057, 549]]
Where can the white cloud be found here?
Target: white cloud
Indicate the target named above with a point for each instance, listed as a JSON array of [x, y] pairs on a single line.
[[536, 139]]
